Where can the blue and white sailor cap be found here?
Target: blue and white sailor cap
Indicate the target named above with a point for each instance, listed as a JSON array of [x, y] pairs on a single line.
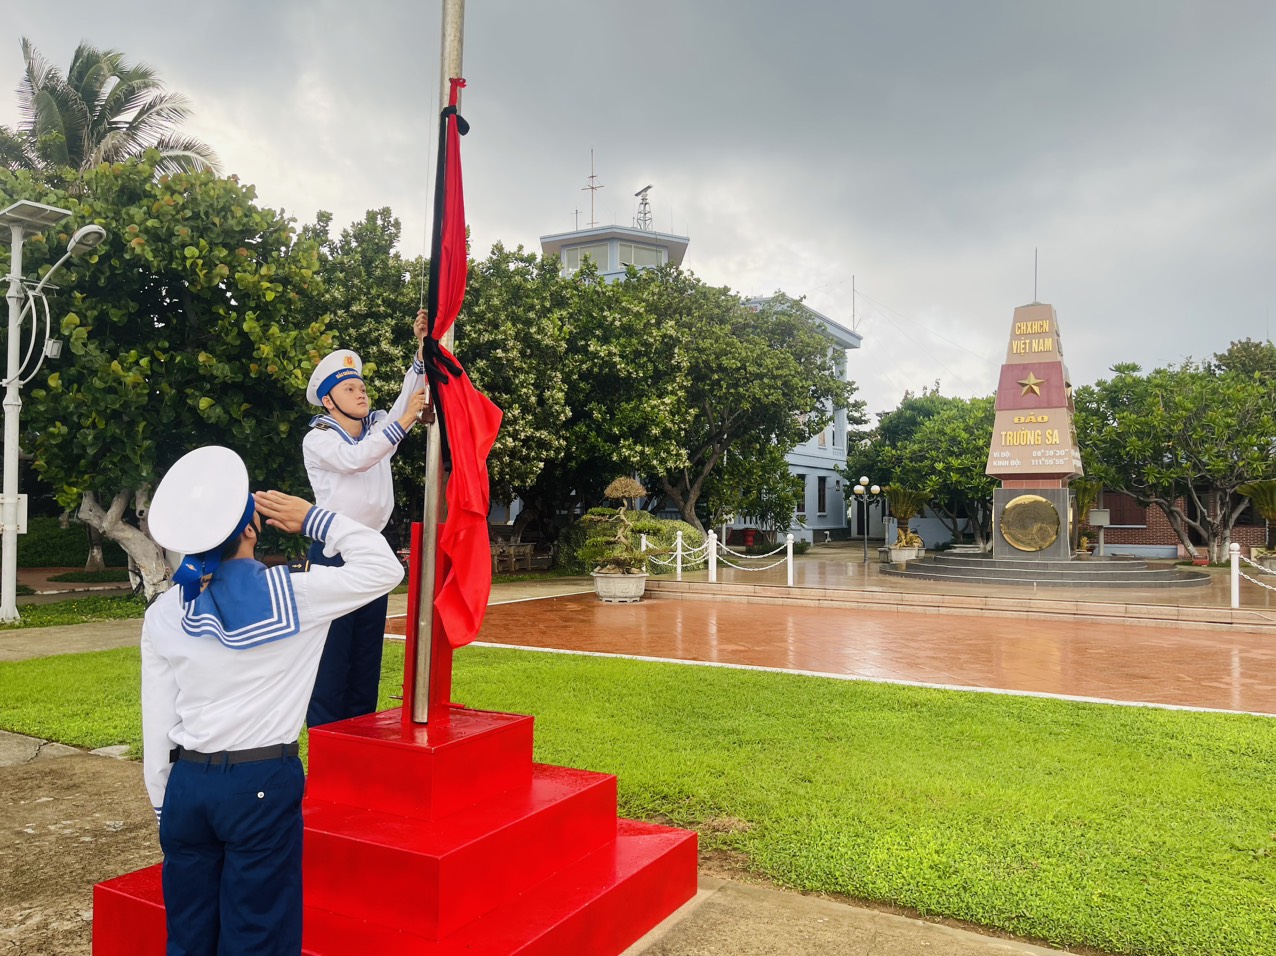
[[201, 503], [335, 367]]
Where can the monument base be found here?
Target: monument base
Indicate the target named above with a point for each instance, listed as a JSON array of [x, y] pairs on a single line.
[[446, 838], [1011, 541]]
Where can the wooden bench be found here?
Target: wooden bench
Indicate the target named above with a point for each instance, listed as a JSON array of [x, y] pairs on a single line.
[[511, 557]]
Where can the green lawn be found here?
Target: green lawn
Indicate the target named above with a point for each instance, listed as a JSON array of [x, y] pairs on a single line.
[[78, 611], [1127, 829]]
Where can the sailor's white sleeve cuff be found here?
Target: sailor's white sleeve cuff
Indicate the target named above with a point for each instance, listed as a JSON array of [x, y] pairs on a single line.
[[394, 432], [418, 366], [318, 522], [158, 812]]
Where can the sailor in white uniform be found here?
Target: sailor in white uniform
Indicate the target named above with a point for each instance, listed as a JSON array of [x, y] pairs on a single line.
[[228, 659], [347, 454]]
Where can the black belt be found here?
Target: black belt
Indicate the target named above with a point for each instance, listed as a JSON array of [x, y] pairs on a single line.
[[232, 757]]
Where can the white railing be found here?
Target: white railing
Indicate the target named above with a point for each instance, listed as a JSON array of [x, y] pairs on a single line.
[[715, 553], [1234, 551]]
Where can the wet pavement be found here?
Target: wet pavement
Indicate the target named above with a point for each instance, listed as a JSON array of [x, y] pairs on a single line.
[[1221, 667]]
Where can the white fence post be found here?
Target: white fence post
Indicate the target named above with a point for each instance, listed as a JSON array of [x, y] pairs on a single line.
[[788, 545], [713, 557], [679, 557], [1235, 551]]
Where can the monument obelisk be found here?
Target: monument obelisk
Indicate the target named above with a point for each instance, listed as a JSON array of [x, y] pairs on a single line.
[[1034, 442]]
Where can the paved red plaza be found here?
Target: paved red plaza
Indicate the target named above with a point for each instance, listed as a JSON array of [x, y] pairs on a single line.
[[1225, 669]]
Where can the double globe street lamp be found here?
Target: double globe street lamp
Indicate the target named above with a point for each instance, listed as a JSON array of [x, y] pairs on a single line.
[[866, 494], [25, 217]]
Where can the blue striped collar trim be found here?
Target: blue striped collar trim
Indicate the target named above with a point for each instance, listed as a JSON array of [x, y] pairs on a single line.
[[418, 366], [263, 595], [333, 424]]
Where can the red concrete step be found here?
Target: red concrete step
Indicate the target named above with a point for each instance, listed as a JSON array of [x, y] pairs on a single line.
[[462, 757], [432, 878], [128, 914], [596, 907]]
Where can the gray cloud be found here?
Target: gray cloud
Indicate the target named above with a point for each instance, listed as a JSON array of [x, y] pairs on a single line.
[[925, 148]]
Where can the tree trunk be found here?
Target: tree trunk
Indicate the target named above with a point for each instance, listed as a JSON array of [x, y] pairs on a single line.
[[146, 554], [95, 561], [686, 506]]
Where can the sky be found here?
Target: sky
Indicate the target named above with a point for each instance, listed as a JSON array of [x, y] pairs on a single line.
[[924, 154]]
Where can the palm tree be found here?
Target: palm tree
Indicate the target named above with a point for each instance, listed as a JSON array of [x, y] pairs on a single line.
[[102, 110]]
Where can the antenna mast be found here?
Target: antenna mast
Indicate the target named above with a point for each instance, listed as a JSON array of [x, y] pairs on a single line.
[[593, 187], [644, 209]]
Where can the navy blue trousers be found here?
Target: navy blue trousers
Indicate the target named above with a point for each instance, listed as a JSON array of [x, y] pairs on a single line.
[[231, 837], [350, 669]]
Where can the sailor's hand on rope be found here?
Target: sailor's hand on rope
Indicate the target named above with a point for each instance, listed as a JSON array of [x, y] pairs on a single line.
[[421, 324], [285, 512], [419, 409]]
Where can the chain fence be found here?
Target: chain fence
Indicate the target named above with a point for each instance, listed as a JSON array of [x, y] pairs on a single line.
[[715, 552]]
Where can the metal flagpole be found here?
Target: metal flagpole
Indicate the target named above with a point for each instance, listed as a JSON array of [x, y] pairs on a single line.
[[452, 36]]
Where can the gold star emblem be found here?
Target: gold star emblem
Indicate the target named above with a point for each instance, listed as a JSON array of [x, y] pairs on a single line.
[[1031, 382]]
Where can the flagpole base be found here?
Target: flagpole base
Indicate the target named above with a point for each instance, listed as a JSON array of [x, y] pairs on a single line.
[[447, 838]]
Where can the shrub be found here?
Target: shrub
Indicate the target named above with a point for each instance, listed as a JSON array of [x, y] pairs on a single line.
[[47, 545], [580, 544]]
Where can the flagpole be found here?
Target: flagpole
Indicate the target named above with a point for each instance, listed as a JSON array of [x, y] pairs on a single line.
[[452, 38]]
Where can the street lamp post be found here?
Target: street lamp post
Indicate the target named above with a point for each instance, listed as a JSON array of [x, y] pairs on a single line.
[[23, 217], [867, 494]]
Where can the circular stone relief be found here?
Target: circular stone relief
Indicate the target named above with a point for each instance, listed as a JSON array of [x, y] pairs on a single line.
[[1030, 523]]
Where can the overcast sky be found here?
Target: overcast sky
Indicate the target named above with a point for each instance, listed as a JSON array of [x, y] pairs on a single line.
[[925, 148]]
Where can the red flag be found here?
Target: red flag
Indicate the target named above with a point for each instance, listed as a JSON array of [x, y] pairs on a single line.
[[469, 421]]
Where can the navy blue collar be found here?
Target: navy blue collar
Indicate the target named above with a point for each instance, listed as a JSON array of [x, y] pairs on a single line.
[[334, 424], [245, 604]]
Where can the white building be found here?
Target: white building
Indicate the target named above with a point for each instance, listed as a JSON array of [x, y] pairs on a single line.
[[614, 248], [815, 461]]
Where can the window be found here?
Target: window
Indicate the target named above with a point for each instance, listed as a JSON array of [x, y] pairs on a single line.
[[632, 253], [822, 440], [598, 252], [821, 495], [802, 496], [1124, 511]]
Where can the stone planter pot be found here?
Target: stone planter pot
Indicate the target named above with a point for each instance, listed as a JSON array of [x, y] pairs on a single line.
[[902, 555], [619, 588]]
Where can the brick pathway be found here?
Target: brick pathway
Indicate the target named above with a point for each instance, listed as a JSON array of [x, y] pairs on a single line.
[[1224, 669]]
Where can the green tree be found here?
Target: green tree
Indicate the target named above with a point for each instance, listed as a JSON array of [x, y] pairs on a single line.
[[720, 375], [871, 452], [755, 483], [944, 454], [511, 338], [182, 330], [1184, 439], [101, 110], [1249, 357]]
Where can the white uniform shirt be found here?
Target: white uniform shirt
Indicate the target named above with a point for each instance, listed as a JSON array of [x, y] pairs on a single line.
[[352, 475], [218, 690]]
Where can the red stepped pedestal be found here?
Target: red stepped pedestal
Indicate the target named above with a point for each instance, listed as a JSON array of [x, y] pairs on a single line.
[[447, 839]]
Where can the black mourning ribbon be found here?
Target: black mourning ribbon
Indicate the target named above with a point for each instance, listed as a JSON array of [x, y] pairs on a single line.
[[439, 367]]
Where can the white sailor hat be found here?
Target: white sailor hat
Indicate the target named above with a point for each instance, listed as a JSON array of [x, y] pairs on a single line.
[[201, 501], [335, 367]]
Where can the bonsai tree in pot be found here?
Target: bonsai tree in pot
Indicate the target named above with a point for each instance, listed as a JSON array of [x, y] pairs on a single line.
[[905, 505], [620, 566]]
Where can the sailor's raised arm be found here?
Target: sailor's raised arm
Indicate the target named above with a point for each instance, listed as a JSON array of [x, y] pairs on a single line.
[[414, 377], [370, 570]]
